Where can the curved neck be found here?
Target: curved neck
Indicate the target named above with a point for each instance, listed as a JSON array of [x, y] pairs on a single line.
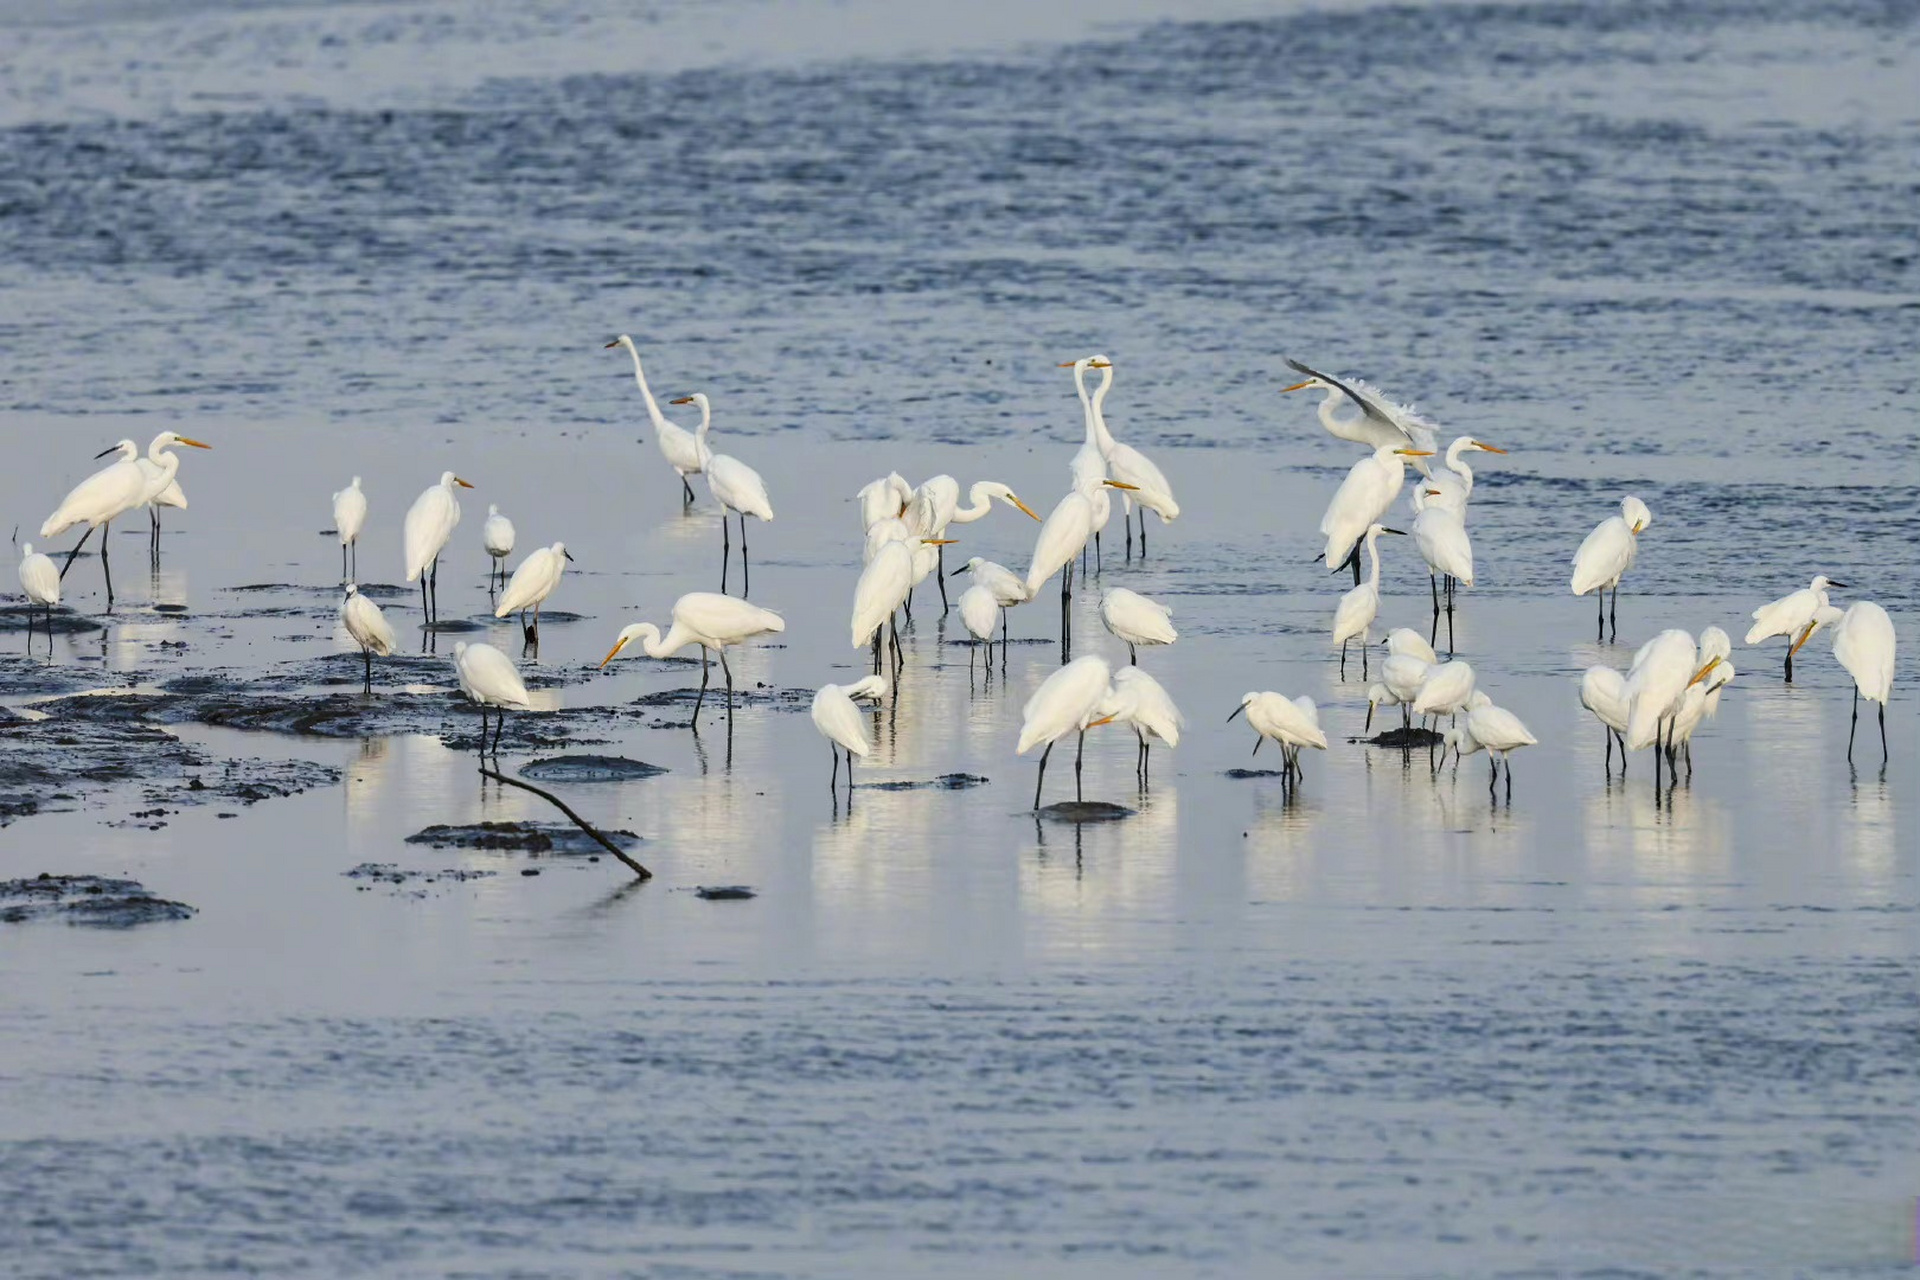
[[980, 502], [1096, 420], [658, 646], [1458, 465], [1086, 404], [1373, 559], [640, 376], [1328, 418], [706, 420], [168, 461]]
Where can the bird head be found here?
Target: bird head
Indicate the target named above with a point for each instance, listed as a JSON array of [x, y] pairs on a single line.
[[628, 634], [1246, 700], [1006, 495], [1484, 447], [622, 341]]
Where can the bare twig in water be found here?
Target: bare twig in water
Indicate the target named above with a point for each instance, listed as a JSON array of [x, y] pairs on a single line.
[[640, 872]]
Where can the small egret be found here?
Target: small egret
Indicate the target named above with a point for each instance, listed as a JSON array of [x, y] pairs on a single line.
[[841, 724], [1148, 486], [497, 536], [163, 486], [1452, 485], [684, 450], [736, 487], [1008, 589], [1606, 555], [1603, 691], [110, 492], [1139, 701], [1135, 619], [1379, 423], [487, 676], [1715, 643], [1795, 616], [1379, 695], [1062, 536], [41, 581], [1406, 642], [936, 504], [1496, 729], [532, 583], [1863, 643], [1441, 534], [429, 524], [712, 621], [1362, 498], [1068, 701], [884, 499], [1293, 725], [349, 517], [369, 628], [1445, 689], [1359, 607], [981, 614]]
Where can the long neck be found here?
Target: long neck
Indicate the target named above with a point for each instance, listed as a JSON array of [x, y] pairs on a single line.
[[980, 502], [1086, 405], [1096, 420], [169, 463], [657, 646], [706, 420], [1328, 418], [640, 376], [1373, 559], [1458, 465]]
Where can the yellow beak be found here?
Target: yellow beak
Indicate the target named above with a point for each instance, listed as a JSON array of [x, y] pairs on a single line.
[[939, 542], [1487, 447], [1414, 453], [1094, 724], [1298, 386], [1023, 506], [1701, 674], [195, 443], [1117, 484], [1066, 364], [462, 483], [613, 653]]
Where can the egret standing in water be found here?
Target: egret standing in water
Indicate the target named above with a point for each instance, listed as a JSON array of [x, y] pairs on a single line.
[[980, 612], [497, 536], [532, 583], [1606, 555], [735, 486], [1063, 534], [1441, 534], [684, 450], [430, 523], [1140, 702], [1496, 729], [41, 581], [369, 628], [487, 677], [1450, 486], [883, 587], [841, 724], [110, 492], [163, 488], [712, 621], [1147, 487], [936, 504], [1863, 643], [1293, 725], [1133, 618], [1603, 691], [1362, 498], [1068, 701], [349, 517], [1007, 588], [1795, 615], [1360, 606]]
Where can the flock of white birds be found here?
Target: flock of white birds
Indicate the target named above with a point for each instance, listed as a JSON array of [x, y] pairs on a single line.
[[1673, 684]]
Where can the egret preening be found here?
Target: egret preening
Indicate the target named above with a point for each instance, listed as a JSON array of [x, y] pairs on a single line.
[[884, 499], [712, 621], [1796, 616], [1139, 701], [1147, 486], [1068, 701], [1496, 729], [41, 581], [841, 724], [1863, 643], [163, 487], [1441, 534], [1293, 725], [429, 524], [1380, 422], [349, 517], [369, 628], [113, 490], [1062, 535], [532, 583], [737, 487], [684, 450], [1133, 618], [1445, 689], [1603, 691], [883, 587], [1606, 555], [936, 504], [1360, 606], [1362, 498], [1663, 670], [497, 536], [1452, 485], [487, 676]]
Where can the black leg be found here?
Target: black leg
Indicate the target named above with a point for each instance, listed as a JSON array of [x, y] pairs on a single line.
[[343, 560], [706, 668], [426, 614], [834, 782], [940, 568], [1449, 615], [1434, 586], [1129, 539], [1509, 773], [1600, 618], [1078, 753], [726, 550], [1041, 780], [106, 568], [686, 493], [1613, 614], [729, 674], [356, 557], [746, 583], [1608, 733], [1133, 657], [1096, 553], [1143, 547], [436, 590], [1789, 657], [1883, 706], [1854, 723], [1363, 658], [1623, 755], [368, 655], [1494, 765], [876, 647], [1343, 659], [76, 551]]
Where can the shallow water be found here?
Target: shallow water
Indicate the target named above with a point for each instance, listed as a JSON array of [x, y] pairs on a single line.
[[1392, 1027]]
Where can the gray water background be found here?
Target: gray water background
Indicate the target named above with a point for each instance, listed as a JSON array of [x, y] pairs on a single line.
[[1387, 1030]]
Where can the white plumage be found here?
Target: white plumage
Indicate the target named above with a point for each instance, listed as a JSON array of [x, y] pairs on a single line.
[[979, 611], [349, 513], [1444, 689], [1139, 701], [368, 626], [1790, 614], [839, 720], [685, 451], [430, 523], [1864, 645], [534, 581], [488, 677], [1136, 619], [39, 578], [117, 488], [1066, 702], [1607, 553], [497, 534], [1363, 497], [737, 487]]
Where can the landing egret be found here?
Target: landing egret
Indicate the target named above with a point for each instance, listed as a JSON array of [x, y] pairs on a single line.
[[113, 490], [1008, 589], [1606, 555], [1794, 615], [1359, 607], [1380, 422], [736, 487], [1140, 702], [1863, 643], [41, 581], [884, 499], [883, 587], [1150, 489], [1603, 691], [1362, 498], [1452, 485], [163, 486], [1133, 618], [936, 505], [710, 620], [1293, 725], [841, 724], [349, 517], [1496, 729], [1062, 536], [1441, 534], [981, 614], [369, 628], [532, 583], [684, 450], [488, 678], [497, 536], [1068, 701], [429, 524]]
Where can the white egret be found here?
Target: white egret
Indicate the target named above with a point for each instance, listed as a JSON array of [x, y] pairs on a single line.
[[1716, 643], [737, 487], [1606, 555], [497, 536], [429, 524], [1863, 643], [1363, 497], [532, 583], [369, 628], [1149, 487], [1139, 701], [883, 587], [1379, 695], [980, 612], [1794, 615], [163, 486], [1068, 701], [1406, 642], [1062, 536], [1360, 606], [487, 677], [1379, 422], [1135, 619], [349, 517], [1008, 589], [1496, 729], [1293, 725], [41, 581], [115, 489], [1089, 464], [710, 620], [841, 724], [1445, 689], [884, 499], [1441, 534], [1663, 670], [1603, 691], [684, 450], [1452, 485], [936, 504]]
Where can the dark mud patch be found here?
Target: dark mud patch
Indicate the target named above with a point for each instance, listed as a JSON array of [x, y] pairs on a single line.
[[520, 837], [25, 677], [93, 901], [589, 769], [1078, 811], [326, 590], [759, 695], [1255, 773], [724, 892], [967, 642], [1404, 739], [65, 622], [412, 883], [945, 782]]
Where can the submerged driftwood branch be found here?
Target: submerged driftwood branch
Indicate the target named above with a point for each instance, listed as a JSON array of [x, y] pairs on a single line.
[[639, 871]]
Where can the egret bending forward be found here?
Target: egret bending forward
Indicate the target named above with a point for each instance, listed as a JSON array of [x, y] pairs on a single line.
[[1068, 701], [841, 724], [487, 676], [1293, 725], [712, 621]]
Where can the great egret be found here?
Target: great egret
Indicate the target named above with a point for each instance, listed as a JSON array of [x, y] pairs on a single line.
[[1149, 488], [1664, 668], [532, 583], [1360, 606], [1716, 643], [1379, 423], [111, 491], [980, 612], [1363, 497], [710, 620], [349, 517], [936, 504], [884, 499], [737, 487], [1062, 536], [684, 450], [1406, 642], [163, 487], [41, 581], [1603, 691], [497, 536], [429, 524], [841, 724], [1496, 729], [1139, 701], [1606, 555], [488, 678], [1089, 462], [1452, 485], [1441, 534], [1135, 619], [1068, 701], [883, 587], [369, 628], [1293, 725], [1863, 643], [1795, 616]]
